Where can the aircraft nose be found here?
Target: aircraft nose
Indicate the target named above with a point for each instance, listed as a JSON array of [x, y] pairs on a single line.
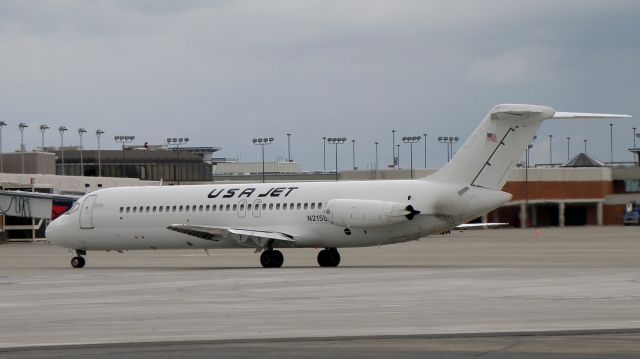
[[52, 233]]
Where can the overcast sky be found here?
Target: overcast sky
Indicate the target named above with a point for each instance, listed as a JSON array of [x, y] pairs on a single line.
[[223, 72]]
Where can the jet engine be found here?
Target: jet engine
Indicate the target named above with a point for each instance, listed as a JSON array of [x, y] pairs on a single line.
[[361, 213]]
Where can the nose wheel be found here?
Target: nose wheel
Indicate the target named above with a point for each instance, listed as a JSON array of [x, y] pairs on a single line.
[[78, 261]]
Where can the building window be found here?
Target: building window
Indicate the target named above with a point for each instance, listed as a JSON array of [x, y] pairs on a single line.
[[632, 185]]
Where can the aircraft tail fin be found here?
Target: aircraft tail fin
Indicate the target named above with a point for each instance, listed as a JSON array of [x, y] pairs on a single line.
[[498, 142]]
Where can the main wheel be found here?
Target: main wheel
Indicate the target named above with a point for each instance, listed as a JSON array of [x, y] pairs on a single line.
[[271, 259], [77, 262], [329, 257]]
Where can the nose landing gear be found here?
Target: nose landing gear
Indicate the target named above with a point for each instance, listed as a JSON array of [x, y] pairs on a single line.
[[78, 261]]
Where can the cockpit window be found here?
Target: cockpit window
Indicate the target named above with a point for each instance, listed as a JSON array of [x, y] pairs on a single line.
[[73, 208]]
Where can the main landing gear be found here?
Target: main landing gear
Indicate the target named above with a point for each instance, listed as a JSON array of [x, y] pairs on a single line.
[[329, 257], [271, 258], [78, 261]]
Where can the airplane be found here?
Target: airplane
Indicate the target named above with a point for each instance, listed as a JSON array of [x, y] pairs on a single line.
[[328, 215]]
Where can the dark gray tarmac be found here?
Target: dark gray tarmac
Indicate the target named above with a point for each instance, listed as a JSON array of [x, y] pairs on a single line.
[[384, 300]]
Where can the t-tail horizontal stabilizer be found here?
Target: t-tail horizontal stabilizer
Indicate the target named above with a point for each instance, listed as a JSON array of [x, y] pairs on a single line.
[[498, 142]]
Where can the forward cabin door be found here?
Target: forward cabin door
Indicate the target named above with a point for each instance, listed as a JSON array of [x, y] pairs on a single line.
[[86, 213]]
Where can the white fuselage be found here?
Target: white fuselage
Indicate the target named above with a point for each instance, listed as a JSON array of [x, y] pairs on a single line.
[[130, 218]]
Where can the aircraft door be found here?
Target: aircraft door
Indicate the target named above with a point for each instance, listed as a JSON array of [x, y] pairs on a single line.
[[86, 212], [242, 208], [257, 204]]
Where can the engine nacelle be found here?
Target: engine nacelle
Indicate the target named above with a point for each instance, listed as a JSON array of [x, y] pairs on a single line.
[[360, 213]]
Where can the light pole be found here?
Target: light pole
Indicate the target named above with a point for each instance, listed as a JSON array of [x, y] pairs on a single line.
[[411, 141], [585, 146], [568, 150], [398, 145], [611, 136], [81, 131], [336, 141], [43, 128], [62, 129], [634, 137], [550, 151], [376, 159], [177, 145], [425, 149], [98, 133], [525, 223], [289, 147], [261, 142], [353, 145], [2, 124], [393, 149], [448, 141], [22, 126], [123, 140], [324, 154]]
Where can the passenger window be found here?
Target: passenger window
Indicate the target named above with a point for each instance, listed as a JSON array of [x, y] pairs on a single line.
[[291, 206], [299, 205], [160, 209], [201, 208], [135, 209], [180, 208], [213, 208], [319, 205], [270, 205], [128, 209], [249, 207], [153, 209], [313, 205], [121, 209], [174, 209], [235, 207], [140, 210], [228, 207], [284, 206], [242, 207], [306, 205], [264, 206], [193, 208], [186, 208], [147, 209], [207, 208]]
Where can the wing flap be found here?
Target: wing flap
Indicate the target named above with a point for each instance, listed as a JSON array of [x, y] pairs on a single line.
[[245, 237]]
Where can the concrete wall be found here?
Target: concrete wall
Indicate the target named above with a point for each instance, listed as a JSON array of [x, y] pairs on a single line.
[[34, 162]]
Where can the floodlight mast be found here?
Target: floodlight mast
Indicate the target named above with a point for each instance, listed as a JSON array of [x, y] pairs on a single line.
[[22, 126], [411, 140], [62, 130], [262, 141], [123, 139], [336, 141], [99, 132], [2, 124], [81, 131]]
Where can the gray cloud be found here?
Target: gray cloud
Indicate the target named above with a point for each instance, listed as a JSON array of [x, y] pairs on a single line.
[[222, 72]]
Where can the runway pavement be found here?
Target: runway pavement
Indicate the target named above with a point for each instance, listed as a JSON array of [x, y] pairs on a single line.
[[471, 282]]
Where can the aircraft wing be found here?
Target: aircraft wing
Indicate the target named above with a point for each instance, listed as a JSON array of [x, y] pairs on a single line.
[[480, 225], [246, 237]]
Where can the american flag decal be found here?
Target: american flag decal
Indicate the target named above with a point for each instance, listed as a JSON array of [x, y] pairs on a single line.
[[491, 137]]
